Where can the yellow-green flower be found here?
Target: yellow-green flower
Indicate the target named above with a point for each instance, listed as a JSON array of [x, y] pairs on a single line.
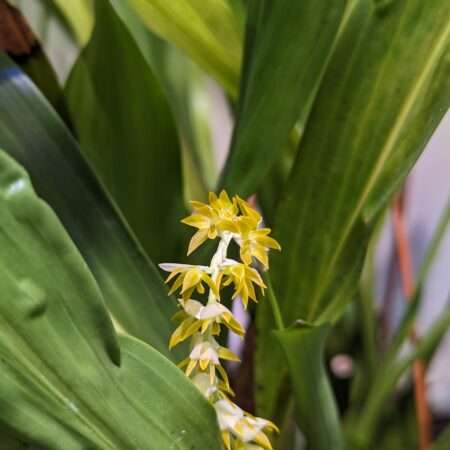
[[188, 279], [244, 278], [211, 219]]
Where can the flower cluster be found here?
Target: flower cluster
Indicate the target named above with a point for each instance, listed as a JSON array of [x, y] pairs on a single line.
[[228, 220]]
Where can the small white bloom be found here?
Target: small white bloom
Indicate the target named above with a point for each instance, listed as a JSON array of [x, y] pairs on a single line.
[[205, 350]]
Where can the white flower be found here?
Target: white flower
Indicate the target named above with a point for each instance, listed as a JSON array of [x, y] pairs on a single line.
[[205, 351]]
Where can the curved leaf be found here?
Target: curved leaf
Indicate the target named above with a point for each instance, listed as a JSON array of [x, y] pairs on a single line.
[[208, 32], [126, 131], [373, 115], [65, 383], [33, 134], [187, 92], [316, 409], [289, 49]]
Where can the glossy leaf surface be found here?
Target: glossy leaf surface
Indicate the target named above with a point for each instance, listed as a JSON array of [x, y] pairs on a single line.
[[66, 381], [127, 132], [33, 134]]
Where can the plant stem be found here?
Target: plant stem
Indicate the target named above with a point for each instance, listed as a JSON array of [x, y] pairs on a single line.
[[419, 368], [274, 304]]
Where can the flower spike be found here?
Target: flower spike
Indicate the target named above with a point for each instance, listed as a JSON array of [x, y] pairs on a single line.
[[229, 220]]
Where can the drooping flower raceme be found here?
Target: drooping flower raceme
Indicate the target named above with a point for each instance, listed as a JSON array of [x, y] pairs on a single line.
[[227, 220]]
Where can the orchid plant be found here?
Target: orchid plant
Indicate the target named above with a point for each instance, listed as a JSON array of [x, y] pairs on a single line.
[[304, 116]]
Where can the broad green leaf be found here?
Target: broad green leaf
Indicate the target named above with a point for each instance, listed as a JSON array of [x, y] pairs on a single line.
[[66, 381], [316, 410], [288, 45], [208, 32], [187, 92], [375, 110], [33, 134], [372, 116], [127, 133]]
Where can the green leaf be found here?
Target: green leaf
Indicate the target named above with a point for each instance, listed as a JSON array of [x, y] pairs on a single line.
[[66, 381], [288, 45], [316, 410], [187, 92], [373, 114], [33, 134], [127, 132], [209, 32], [375, 110]]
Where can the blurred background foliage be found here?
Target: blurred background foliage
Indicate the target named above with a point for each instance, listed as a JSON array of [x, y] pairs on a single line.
[[122, 111]]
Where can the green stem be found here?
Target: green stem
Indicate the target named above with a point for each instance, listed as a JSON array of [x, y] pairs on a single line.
[[274, 304]]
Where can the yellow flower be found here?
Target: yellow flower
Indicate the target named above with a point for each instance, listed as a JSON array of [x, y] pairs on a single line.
[[211, 315], [248, 431], [248, 211], [206, 354], [254, 241], [243, 277], [189, 278], [211, 219]]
